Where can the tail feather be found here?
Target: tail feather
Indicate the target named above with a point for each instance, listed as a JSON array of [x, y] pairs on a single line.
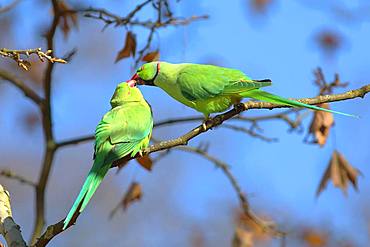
[[271, 98], [93, 180]]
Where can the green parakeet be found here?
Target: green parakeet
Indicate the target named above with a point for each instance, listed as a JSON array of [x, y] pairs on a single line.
[[124, 130], [208, 88]]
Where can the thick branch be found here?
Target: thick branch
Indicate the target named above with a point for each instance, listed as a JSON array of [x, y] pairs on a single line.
[[8, 228], [47, 123], [49, 234]]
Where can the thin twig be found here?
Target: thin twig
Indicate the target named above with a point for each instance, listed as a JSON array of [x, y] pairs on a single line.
[[249, 132], [266, 226], [152, 25], [16, 55], [75, 141], [11, 175], [8, 7]]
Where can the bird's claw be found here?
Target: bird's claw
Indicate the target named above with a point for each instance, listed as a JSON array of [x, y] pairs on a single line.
[[205, 122]]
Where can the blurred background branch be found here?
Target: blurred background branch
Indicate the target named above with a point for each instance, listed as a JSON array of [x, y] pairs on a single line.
[[11, 175], [8, 7]]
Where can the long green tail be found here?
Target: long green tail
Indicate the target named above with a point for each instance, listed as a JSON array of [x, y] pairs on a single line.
[[271, 98], [93, 180]]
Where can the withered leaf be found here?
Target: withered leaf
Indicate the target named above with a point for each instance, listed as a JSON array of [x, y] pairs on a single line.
[[259, 235], [132, 195], [129, 48], [314, 238], [69, 18], [329, 41], [146, 162], [260, 6], [321, 124], [151, 56], [340, 172], [31, 120], [242, 238]]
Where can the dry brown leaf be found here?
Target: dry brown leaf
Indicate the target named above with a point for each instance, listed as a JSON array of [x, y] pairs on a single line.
[[69, 18], [146, 162], [31, 120], [340, 172], [132, 195], [129, 48], [321, 124], [260, 5], [151, 56], [258, 234], [197, 237], [242, 238], [314, 238], [329, 41]]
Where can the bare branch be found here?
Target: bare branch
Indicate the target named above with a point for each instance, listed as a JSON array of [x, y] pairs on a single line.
[[11, 175], [8, 228], [50, 233], [250, 132], [152, 25], [16, 55], [219, 119], [28, 92], [47, 123], [8, 7], [109, 18], [75, 141], [266, 226]]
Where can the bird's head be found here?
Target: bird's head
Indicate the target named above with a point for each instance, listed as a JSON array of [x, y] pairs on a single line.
[[147, 73], [125, 93]]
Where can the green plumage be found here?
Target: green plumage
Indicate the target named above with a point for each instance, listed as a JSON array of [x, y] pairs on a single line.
[[210, 89], [124, 130]]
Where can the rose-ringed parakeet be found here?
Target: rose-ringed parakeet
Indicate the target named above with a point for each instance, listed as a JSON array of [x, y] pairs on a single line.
[[208, 88], [124, 130]]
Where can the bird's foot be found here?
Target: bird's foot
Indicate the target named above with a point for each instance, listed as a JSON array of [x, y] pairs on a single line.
[[206, 121]]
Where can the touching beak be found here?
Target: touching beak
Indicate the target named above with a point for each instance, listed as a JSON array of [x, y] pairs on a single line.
[[135, 77]]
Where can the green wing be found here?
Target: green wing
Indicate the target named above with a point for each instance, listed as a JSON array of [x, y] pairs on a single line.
[[124, 124], [121, 132], [199, 82]]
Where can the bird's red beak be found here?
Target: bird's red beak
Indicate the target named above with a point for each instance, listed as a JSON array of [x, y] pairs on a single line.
[[137, 79]]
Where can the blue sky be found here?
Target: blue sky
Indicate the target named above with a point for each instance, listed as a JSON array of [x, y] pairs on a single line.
[[281, 177]]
